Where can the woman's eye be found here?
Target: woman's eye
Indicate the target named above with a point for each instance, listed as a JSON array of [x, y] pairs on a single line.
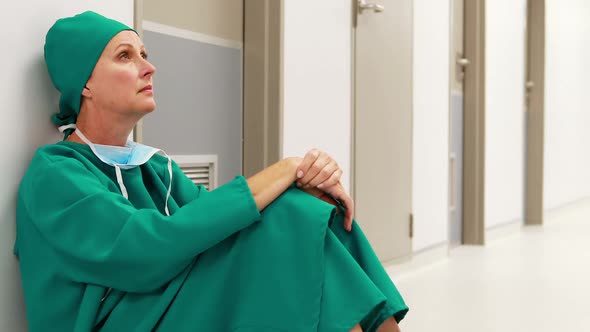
[[144, 56], [124, 55]]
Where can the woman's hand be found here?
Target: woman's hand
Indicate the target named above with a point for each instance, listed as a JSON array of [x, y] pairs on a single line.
[[317, 174], [337, 192], [319, 170]]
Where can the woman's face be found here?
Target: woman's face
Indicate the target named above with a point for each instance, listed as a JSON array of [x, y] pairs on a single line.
[[122, 78]]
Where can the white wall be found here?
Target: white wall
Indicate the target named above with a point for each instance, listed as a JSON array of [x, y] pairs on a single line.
[[317, 79], [505, 75], [431, 122], [567, 117], [27, 99]]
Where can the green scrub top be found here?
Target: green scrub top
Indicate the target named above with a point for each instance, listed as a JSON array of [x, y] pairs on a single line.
[[92, 260]]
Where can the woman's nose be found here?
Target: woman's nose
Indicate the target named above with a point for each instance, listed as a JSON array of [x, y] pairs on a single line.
[[148, 68]]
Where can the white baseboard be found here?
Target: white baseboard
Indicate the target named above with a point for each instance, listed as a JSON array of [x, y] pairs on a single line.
[[439, 254], [422, 259], [554, 214], [503, 230], [549, 216]]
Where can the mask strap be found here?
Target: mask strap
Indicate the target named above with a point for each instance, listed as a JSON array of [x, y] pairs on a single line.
[[170, 184], [67, 130], [84, 139], [117, 168], [63, 128], [120, 181]]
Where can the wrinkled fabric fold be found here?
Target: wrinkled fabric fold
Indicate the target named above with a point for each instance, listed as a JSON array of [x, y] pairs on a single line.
[[296, 270]]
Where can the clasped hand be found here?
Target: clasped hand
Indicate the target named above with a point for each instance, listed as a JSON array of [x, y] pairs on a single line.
[[319, 174]]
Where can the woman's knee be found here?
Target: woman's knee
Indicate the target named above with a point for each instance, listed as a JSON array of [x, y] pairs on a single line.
[[390, 325], [357, 328]]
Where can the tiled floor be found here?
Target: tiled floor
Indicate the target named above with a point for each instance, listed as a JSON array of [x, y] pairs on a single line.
[[536, 279]]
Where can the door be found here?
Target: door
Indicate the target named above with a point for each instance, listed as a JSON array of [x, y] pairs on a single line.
[[382, 124], [457, 66]]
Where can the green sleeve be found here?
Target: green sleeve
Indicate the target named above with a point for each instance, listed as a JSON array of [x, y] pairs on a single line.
[[99, 238], [183, 189]]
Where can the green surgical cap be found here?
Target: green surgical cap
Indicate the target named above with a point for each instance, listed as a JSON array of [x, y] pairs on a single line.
[[73, 45]]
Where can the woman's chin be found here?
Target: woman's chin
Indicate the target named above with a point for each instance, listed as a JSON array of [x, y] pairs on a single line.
[[147, 108]]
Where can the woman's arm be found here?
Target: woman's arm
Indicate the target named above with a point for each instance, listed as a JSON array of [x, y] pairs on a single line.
[[317, 173], [271, 182], [98, 237]]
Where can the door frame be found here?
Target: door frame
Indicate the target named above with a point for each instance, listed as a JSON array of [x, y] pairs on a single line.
[[535, 112], [474, 123], [137, 132], [262, 84]]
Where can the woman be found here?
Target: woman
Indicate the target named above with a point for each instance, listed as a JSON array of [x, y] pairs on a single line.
[[112, 236]]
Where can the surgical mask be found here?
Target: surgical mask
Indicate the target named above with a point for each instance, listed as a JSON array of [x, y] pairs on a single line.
[[126, 157]]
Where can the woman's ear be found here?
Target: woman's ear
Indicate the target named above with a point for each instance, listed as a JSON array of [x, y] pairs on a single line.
[[86, 92]]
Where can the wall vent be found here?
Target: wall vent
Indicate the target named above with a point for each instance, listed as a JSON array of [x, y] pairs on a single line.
[[201, 169]]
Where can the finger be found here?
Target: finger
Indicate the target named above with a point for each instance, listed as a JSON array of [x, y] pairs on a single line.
[[332, 181], [321, 162], [324, 174], [338, 192], [308, 160], [348, 213]]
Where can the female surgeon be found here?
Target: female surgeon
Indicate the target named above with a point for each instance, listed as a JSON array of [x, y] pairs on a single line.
[[112, 236]]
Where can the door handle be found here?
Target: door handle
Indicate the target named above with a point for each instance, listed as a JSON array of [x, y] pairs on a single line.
[[364, 5], [530, 84], [463, 62]]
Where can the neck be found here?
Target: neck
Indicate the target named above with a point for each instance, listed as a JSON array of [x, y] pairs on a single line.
[[102, 127]]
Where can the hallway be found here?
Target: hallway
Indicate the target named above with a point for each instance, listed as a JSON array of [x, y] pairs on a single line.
[[536, 280]]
